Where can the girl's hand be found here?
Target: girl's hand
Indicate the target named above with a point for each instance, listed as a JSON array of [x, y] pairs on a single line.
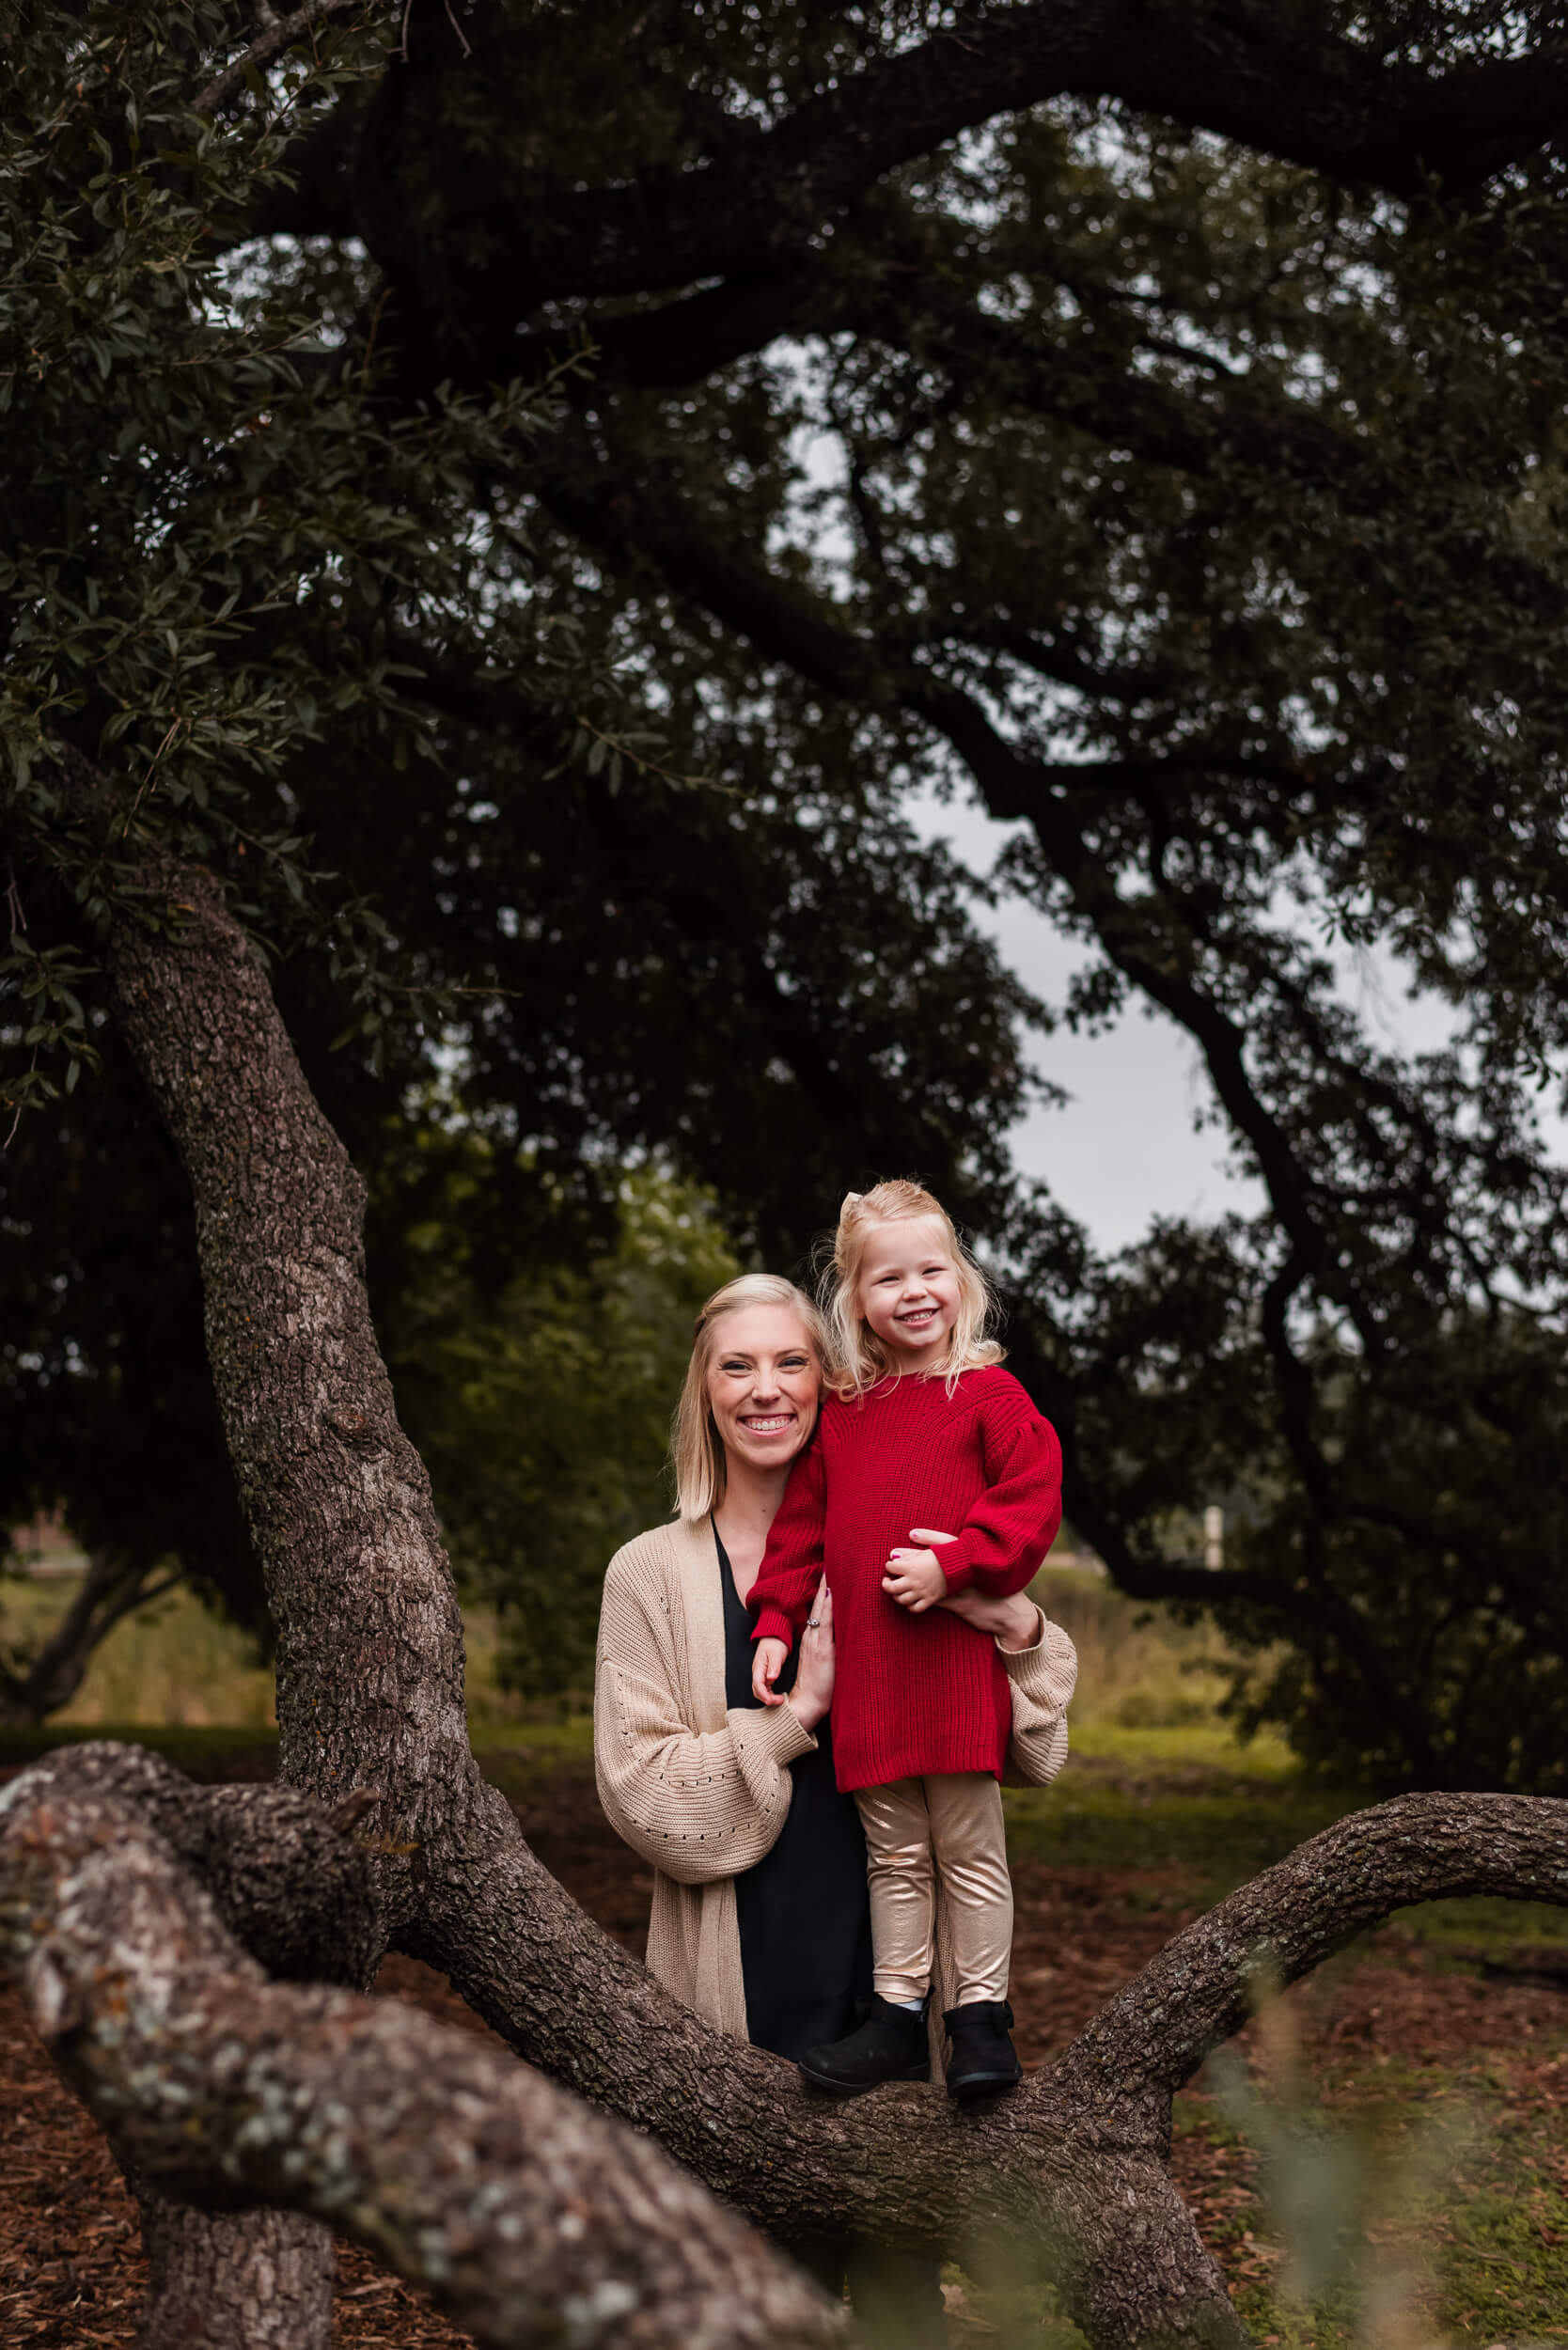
[[812, 1694], [767, 1663], [1015, 1622], [915, 1580]]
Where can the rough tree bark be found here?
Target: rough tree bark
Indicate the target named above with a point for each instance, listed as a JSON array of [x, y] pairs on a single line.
[[370, 1690], [1072, 2169], [532, 2220], [128, 1902], [302, 1901]]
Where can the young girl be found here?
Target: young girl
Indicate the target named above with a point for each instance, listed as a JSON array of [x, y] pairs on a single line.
[[925, 1430]]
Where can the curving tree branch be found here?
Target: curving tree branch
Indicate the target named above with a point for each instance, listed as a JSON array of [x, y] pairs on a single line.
[[529, 2219], [112, 1588], [1204, 1983], [370, 1690], [282, 33], [1143, 941], [524, 2213], [752, 199]]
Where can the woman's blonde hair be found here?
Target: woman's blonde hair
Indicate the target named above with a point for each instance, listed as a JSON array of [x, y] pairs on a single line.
[[696, 1449], [860, 1359]]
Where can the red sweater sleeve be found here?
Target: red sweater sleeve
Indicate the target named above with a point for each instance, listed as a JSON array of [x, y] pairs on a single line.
[[1002, 1544], [792, 1564]]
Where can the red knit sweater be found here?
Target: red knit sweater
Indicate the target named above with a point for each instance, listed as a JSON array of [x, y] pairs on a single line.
[[927, 1693]]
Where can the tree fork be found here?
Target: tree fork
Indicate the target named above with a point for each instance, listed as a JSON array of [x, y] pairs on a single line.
[[108, 1592], [370, 1690], [1072, 2170], [293, 1891]]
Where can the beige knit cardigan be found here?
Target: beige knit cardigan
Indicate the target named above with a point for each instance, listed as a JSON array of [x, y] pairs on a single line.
[[701, 1791]]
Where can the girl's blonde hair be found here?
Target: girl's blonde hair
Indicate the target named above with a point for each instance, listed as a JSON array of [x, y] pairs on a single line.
[[861, 1360], [696, 1450]]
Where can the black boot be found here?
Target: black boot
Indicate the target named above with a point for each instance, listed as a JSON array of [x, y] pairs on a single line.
[[889, 2046], [983, 2058]]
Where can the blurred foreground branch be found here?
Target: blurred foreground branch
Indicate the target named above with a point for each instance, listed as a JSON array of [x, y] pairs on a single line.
[[529, 2219]]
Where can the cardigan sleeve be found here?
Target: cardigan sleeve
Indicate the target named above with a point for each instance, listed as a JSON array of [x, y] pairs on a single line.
[[699, 1805], [1002, 1544], [1041, 1681], [792, 1564]]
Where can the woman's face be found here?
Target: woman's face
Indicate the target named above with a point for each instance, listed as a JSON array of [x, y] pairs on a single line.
[[764, 1384]]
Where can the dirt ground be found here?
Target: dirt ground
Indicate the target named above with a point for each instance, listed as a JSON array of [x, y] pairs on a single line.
[[71, 2266]]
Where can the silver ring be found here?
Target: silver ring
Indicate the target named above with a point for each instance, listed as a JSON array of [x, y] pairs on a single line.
[[813, 1623]]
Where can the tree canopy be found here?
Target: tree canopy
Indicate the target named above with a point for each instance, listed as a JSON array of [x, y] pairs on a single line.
[[529, 495]]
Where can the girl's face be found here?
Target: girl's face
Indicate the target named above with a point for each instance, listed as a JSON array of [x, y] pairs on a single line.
[[765, 1382], [907, 1290]]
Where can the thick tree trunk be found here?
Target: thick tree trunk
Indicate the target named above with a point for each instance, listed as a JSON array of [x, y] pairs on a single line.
[[370, 1690], [369, 1653], [1069, 2173], [299, 1896], [259, 2280]]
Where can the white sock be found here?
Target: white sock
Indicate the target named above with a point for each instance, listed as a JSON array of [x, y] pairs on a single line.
[[914, 2006]]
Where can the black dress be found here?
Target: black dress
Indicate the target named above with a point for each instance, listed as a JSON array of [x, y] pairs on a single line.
[[806, 1961], [805, 1914]]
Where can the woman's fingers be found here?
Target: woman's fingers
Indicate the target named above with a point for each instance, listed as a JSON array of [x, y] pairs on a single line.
[[926, 1535]]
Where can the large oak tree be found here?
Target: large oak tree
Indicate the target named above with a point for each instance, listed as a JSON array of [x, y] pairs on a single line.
[[1142, 419], [1188, 384]]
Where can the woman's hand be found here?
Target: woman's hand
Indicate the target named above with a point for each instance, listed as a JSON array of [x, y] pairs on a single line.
[[1014, 1623], [767, 1663], [812, 1694]]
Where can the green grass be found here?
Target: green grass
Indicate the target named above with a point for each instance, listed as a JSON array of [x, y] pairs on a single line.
[[1204, 1841], [1138, 1669], [176, 1665], [172, 1665], [204, 1753], [1193, 1806], [1418, 2205], [1452, 2180]]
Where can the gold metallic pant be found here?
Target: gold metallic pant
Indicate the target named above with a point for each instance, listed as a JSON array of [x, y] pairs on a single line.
[[919, 1831]]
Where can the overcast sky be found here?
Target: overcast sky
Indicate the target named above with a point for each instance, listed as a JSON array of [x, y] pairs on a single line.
[[1123, 1150]]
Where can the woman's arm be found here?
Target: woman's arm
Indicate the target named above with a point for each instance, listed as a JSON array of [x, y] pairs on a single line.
[[1041, 1678], [699, 1805], [1012, 1622], [1042, 1671]]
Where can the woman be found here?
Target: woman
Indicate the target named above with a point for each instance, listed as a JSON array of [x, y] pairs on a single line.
[[761, 1919]]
